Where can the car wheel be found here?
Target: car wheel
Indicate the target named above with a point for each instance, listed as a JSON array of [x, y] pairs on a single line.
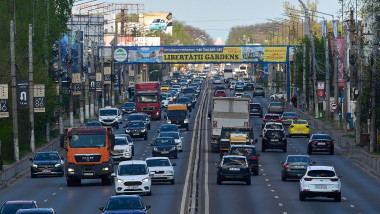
[[290, 136], [172, 181], [62, 174], [256, 171], [190, 110], [149, 127], [218, 181], [308, 150], [263, 148], [32, 175], [308, 136], [332, 151], [338, 197], [283, 177], [70, 182], [146, 137], [176, 156], [285, 149], [117, 126], [302, 196], [149, 193], [106, 181], [248, 181]]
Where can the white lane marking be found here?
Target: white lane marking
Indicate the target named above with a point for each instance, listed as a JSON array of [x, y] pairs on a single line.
[[207, 196], [352, 206], [259, 164], [269, 185], [61, 188], [272, 190], [262, 169], [276, 196], [294, 147], [266, 179], [344, 198], [284, 213], [54, 194], [296, 150], [143, 154], [280, 204], [264, 174], [45, 200], [145, 150]]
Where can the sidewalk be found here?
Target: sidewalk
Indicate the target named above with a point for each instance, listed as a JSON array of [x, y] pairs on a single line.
[[11, 172]]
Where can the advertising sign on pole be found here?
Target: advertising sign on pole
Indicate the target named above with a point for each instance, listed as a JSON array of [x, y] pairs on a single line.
[[22, 93], [76, 84], [4, 111], [39, 98], [92, 82], [98, 81], [107, 75]]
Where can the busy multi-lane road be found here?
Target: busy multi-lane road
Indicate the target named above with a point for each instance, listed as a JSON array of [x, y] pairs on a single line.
[[267, 194]]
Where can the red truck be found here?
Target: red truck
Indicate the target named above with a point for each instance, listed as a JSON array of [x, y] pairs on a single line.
[[147, 99]]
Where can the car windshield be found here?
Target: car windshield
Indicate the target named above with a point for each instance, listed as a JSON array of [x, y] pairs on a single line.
[[121, 141], [108, 112], [275, 104], [169, 128], [220, 92], [303, 159], [129, 105], [254, 105], [177, 113], [272, 117], [157, 162], [243, 151], [321, 136], [46, 156], [132, 169], [169, 134], [135, 117], [124, 204], [259, 89], [164, 142], [275, 134], [183, 100], [321, 173], [147, 98], [163, 97], [87, 141], [12, 208], [233, 161], [135, 124], [289, 114], [274, 126], [299, 122]]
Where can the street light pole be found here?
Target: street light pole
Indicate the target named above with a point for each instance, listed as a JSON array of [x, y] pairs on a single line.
[[306, 17]]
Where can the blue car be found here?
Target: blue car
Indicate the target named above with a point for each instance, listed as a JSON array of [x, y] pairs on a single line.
[[158, 24], [164, 147], [125, 204]]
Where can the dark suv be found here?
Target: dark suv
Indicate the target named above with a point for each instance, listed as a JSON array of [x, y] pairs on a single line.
[[274, 139], [47, 163], [137, 128], [250, 153], [320, 143], [233, 168], [255, 109], [271, 118], [140, 116], [258, 91]]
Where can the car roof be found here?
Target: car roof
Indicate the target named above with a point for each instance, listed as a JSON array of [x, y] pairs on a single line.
[[331, 168], [130, 162], [109, 107], [273, 123], [318, 135], [170, 132], [169, 125], [234, 156], [157, 158], [298, 156], [48, 152], [136, 121], [244, 146], [124, 196], [138, 114], [20, 202], [271, 115], [36, 210]]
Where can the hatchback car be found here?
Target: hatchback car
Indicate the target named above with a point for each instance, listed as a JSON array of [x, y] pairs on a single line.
[[288, 117], [320, 181], [139, 116], [274, 139], [125, 204], [164, 147], [249, 86], [233, 168], [295, 166], [271, 118], [320, 143], [250, 153], [132, 177], [255, 109], [128, 108], [273, 126], [47, 163], [258, 91], [299, 128], [136, 128], [36, 211], [276, 108], [176, 136], [11, 207], [161, 168], [220, 93]]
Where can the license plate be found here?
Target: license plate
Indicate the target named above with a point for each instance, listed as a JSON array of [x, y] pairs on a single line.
[[299, 131], [131, 187], [321, 186], [274, 140], [234, 169], [46, 171], [88, 173], [321, 144], [299, 167], [164, 152], [135, 133]]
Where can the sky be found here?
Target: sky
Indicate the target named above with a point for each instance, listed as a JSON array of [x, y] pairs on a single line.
[[216, 17]]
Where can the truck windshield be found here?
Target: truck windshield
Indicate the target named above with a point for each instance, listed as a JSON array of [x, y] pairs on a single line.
[[177, 113], [87, 141], [108, 112], [147, 98]]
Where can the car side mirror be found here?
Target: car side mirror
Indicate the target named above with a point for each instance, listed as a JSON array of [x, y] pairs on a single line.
[[113, 174], [174, 164], [151, 174], [101, 209], [30, 159], [147, 207]]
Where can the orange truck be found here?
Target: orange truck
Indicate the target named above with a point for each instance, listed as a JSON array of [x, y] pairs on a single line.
[[88, 154]]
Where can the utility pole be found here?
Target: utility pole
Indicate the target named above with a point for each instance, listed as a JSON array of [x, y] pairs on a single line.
[[310, 77], [345, 77], [92, 94], [304, 77], [97, 68], [113, 69], [69, 71], [86, 88], [102, 70], [314, 79], [31, 89], [14, 93], [81, 100], [336, 86], [327, 79], [372, 132], [60, 119], [358, 128]]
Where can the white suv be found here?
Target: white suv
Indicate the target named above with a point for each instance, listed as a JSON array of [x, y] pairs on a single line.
[[122, 149], [132, 177], [109, 116], [162, 168], [273, 126], [320, 181]]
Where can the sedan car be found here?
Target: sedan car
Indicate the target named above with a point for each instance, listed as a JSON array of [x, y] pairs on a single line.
[[11, 207], [220, 93], [255, 109], [320, 181], [176, 136], [238, 94], [295, 166], [233, 168], [47, 163], [249, 86], [125, 204], [164, 147], [132, 177], [128, 108], [36, 211], [137, 128], [320, 143], [250, 153], [129, 140], [288, 117], [162, 169], [274, 139], [258, 91], [217, 80], [276, 108], [299, 128], [139, 116], [169, 128]]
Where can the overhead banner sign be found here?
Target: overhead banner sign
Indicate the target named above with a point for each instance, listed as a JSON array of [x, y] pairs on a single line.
[[39, 98], [199, 54], [22, 93], [4, 111]]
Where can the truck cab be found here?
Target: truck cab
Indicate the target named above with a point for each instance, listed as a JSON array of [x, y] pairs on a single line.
[[178, 114], [234, 139]]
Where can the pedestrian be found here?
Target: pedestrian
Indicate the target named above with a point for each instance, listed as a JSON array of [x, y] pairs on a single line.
[[282, 99], [294, 100]]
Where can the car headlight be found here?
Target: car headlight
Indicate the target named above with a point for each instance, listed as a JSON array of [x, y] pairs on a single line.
[[100, 119], [155, 149], [170, 172], [134, 109], [34, 166], [70, 169], [173, 148], [120, 181], [188, 104], [57, 165], [127, 130], [186, 121], [145, 179], [128, 150], [144, 130], [169, 121]]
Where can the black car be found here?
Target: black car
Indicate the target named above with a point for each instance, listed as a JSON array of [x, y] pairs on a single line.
[[36, 211], [128, 108], [274, 139], [249, 86], [137, 128], [320, 143], [11, 207], [250, 153], [189, 90], [186, 101], [192, 97], [46, 163], [93, 123], [255, 109], [164, 147], [127, 204], [233, 168], [258, 91], [295, 166], [139, 116], [271, 118]]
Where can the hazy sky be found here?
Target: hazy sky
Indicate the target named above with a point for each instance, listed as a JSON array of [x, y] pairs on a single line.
[[216, 17]]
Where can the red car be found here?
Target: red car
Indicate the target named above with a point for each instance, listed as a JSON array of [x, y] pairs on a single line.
[[220, 93]]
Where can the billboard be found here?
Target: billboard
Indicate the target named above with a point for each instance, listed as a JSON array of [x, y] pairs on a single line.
[[145, 54], [158, 22], [74, 52]]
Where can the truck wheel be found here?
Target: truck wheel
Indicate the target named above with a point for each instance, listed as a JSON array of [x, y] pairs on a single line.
[[107, 180], [70, 182], [78, 181], [172, 181]]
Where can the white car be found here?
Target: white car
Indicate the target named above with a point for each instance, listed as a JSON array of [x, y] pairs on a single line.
[[177, 138], [122, 149], [320, 181], [133, 177], [238, 94], [129, 140], [273, 126], [276, 96], [232, 85], [109, 116], [162, 168], [217, 80]]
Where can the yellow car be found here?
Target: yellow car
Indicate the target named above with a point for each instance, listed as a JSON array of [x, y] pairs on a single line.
[[165, 88], [299, 127]]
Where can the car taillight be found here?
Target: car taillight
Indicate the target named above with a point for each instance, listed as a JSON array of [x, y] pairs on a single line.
[[254, 158], [307, 126], [265, 119], [329, 142], [212, 140], [291, 126], [308, 179], [313, 142], [278, 119], [334, 179], [264, 138], [269, 107], [286, 166], [283, 139], [281, 107]]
